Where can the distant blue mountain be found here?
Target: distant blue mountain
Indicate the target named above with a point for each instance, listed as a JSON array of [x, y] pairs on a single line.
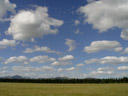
[[13, 77], [20, 77]]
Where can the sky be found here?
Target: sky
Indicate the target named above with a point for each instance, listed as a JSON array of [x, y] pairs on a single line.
[[64, 38]]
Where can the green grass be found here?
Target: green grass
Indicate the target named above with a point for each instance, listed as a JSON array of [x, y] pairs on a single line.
[[29, 89]]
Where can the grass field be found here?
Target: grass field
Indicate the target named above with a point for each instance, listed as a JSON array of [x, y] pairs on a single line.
[[29, 89]]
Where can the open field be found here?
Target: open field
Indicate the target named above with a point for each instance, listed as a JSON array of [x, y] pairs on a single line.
[[29, 89]]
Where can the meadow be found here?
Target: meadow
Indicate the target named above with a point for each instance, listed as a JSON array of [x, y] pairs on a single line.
[[33, 89]]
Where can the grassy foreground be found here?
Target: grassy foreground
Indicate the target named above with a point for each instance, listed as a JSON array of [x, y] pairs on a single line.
[[29, 89]]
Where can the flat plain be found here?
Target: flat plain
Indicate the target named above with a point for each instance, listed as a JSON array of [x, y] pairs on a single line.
[[38, 89]]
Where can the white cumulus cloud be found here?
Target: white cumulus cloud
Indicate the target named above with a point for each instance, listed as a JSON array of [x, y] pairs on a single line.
[[79, 65], [102, 71], [30, 24], [122, 68], [41, 59], [97, 46], [26, 60], [108, 60], [31, 68], [125, 51], [70, 69], [61, 63], [67, 57], [6, 6], [40, 49], [107, 14], [19, 59], [97, 72], [71, 44], [7, 43], [65, 60], [76, 22], [66, 69]]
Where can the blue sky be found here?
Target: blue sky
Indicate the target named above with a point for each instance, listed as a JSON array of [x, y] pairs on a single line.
[[72, 38]]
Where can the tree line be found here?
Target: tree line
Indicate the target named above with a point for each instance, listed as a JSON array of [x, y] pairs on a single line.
[[51, 80]]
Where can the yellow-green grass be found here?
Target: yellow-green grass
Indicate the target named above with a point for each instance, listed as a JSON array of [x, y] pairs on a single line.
[[29, 89]]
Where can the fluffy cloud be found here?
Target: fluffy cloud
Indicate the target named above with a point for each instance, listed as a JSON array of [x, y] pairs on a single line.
[[97, 46], [6, 6], [108, 60], [3, 68], [122, 68], [66, 60], [40, 49], [20, 59], [124, 34], [125, 51], [104, 69], [79, 65], [32, 69], [101, 72], [107, 14], [56, 63], [66, 69], [3, 72], [30, 24], [76, 22], [42, 59], [7, 43], [25, 60], [61, 63], [71, 44], [70, 69], [28, 50]]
